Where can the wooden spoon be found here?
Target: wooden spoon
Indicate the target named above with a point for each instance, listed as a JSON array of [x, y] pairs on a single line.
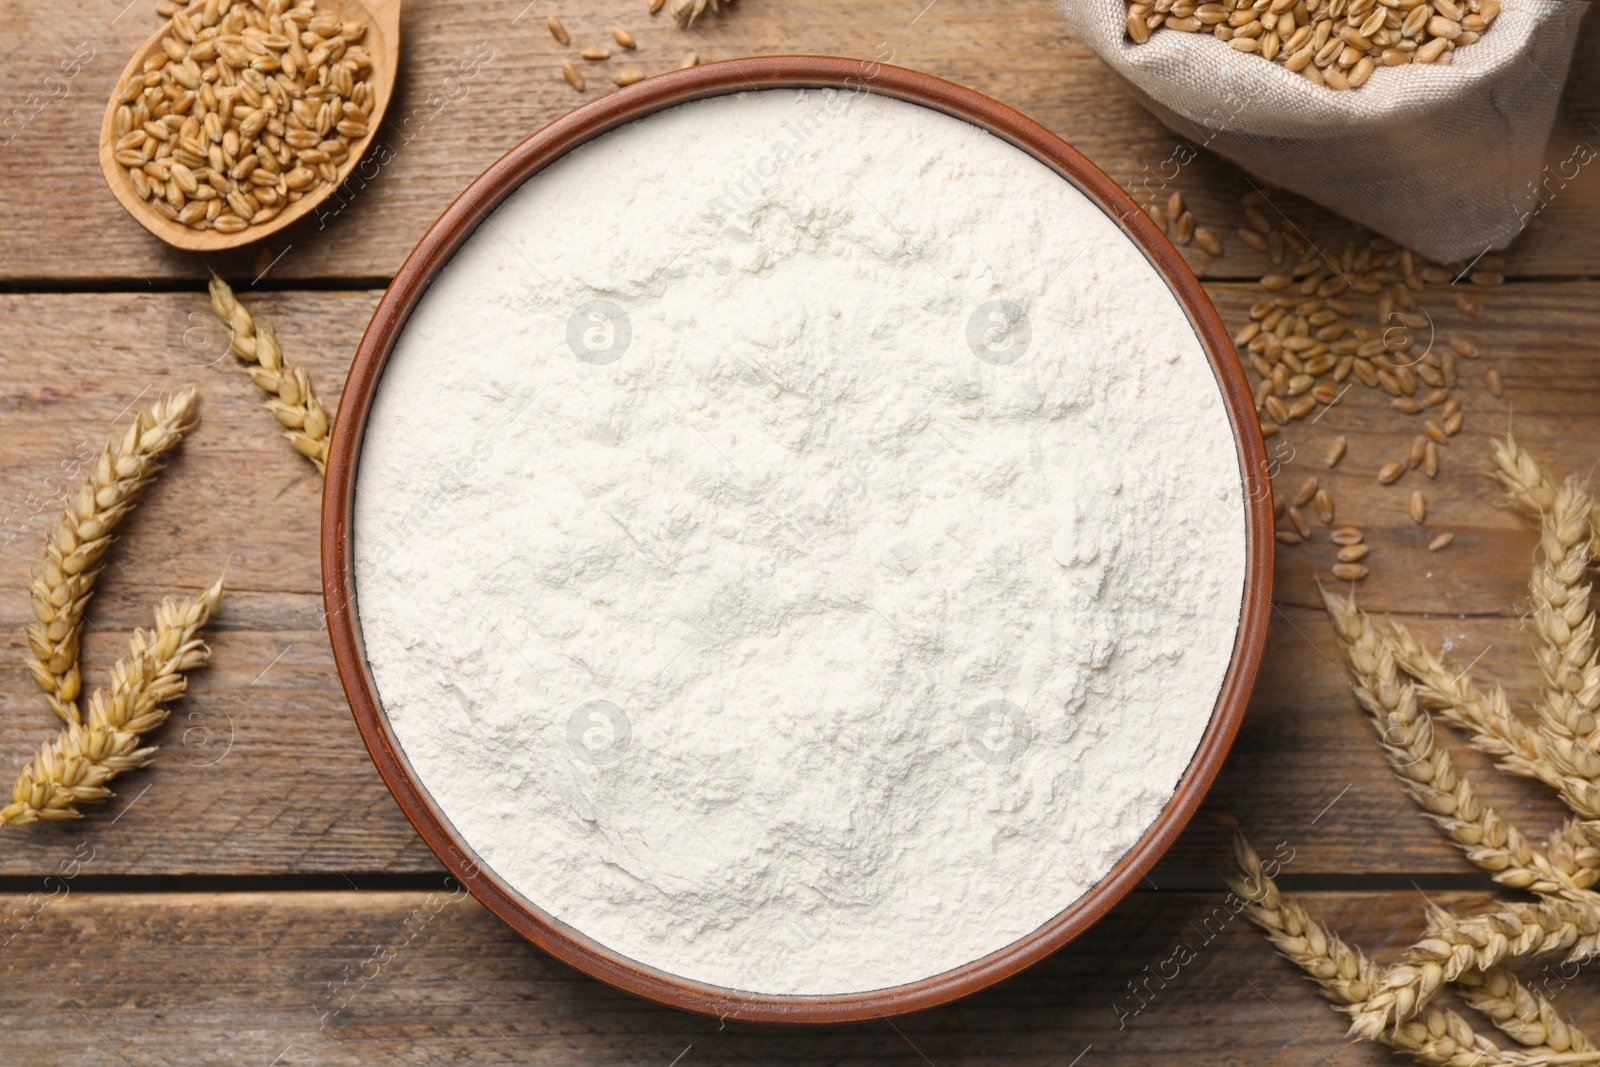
[[382, 42]]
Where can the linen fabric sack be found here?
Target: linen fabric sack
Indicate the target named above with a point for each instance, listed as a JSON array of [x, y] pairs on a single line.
[[1445, 160]]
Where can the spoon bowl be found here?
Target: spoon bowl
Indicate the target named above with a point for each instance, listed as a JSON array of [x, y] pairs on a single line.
[[382, 42]]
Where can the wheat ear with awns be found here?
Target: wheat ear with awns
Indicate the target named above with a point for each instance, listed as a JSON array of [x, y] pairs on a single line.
[[1429, 1034], [1400, 683], [686, 11], [75, 550], [74, 768], [286, 387]]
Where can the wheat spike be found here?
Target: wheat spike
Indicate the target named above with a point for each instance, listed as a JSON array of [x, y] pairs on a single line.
[[1566, 655], [1573, 849], [1487, 717], [75, 767], [1347, 978], [1518, 1012], [1343, 974], [1528, 489], [76, 548], [686, 11], [1514, 931], [1445, 795], [287, 388]]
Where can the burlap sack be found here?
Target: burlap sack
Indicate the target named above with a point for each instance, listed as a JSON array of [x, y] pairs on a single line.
[[1444, 160]]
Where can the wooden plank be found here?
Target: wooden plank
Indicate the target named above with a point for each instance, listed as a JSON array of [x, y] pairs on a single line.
[[346, 978], [446, 128], [264, 771]]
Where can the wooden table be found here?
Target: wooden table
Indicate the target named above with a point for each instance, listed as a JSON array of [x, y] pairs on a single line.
[[256, 898]]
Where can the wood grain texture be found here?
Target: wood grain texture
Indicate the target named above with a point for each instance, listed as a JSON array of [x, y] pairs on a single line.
[[264, 772], [347, 978], [478, 77]]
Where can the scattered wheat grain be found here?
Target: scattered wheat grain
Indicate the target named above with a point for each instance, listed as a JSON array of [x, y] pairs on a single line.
[[1183, 229]]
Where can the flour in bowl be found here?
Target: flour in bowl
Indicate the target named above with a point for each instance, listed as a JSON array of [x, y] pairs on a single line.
[[799, 542]]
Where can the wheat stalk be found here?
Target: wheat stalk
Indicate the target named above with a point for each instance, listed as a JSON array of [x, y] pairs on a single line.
[[686, 11], [1528, 489], [1429, 774], [75, 767], [287, 388], [1347, 978], [76, 548]]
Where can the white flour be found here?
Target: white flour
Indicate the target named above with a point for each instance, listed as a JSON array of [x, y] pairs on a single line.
[[779, 641]]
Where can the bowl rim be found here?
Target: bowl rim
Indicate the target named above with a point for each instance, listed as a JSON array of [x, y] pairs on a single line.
[[447, 235]]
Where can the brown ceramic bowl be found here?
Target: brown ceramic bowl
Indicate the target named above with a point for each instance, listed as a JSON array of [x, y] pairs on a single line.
[[458, 223]]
